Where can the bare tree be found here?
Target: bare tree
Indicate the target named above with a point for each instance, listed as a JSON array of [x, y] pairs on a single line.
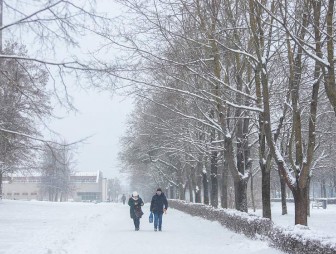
[[24, 102], [57, 165]]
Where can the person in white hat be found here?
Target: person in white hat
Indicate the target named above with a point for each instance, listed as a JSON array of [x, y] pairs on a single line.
[[135, 203]]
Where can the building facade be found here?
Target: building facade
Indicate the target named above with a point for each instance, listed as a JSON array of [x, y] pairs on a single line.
[[85, 187]]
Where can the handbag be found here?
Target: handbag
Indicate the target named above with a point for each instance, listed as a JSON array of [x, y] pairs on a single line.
[[138, 212], [151, 218]]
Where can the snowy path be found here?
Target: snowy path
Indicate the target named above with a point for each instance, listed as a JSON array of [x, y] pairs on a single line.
[[79, 228]]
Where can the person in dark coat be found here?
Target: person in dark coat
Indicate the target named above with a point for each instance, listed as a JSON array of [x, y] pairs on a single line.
[[159, 205], [135, 203], [123, 198]]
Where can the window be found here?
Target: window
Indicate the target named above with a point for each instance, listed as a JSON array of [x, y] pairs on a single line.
[[25, 194], [9, 194], [33, 194], [89, 196], [16, 194], [83, 180]]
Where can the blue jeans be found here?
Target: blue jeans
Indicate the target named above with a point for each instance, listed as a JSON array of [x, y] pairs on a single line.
[[158, 220]]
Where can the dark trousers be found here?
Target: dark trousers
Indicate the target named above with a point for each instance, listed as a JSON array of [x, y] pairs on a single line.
[[158, 220], [136, 221]]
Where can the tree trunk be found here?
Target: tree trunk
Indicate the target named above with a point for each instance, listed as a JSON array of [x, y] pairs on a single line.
[[224, 185], [51, 194], [198, 176], [332, 188], [1, 175], [181, 191], [266, 191], [214, 180], [242, 154], [205, 187], [329, 76], [308, 197], [240, 183], [323, 189], [198, 194], [283, 195], [265, 172], [300, 201], [252, 194], [190, 187], [194, 183], [171, 188], [241, 195], [56, 196]]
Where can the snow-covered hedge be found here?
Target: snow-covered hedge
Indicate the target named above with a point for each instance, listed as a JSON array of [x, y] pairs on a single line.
[[248, 224], [298, 239], [329, 200], [291, 200]]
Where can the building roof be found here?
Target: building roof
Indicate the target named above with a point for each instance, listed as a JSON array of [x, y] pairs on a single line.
[[88, 173]]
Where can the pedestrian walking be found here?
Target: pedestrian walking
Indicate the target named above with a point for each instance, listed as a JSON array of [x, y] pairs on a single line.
[[159, 205], [135, 203], [123, 198]]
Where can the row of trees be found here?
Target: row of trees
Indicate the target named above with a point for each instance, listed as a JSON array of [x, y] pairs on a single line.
[[229, 88], [114, 189], [40, 53]]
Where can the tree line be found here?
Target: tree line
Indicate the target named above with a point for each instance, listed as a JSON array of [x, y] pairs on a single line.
[[228, 90]]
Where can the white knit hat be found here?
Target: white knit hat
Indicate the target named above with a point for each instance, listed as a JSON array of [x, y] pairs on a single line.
[[135, 194]]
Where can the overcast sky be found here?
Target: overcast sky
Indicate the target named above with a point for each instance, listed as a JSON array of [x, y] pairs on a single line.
[[103, 117], [100, 115]]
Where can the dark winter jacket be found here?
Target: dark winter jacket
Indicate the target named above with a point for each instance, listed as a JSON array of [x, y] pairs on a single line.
[[158, 203], [135, 207]]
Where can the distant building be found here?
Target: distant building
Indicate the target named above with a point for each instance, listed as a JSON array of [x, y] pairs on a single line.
[[87, 186]]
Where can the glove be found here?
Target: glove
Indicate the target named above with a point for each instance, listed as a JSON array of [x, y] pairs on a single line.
[[165, 210]]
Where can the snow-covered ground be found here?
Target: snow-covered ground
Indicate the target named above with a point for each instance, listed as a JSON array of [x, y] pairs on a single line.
[[321, 221], [78, 228]]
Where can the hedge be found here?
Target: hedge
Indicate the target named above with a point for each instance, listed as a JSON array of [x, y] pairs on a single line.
[[296, 240]]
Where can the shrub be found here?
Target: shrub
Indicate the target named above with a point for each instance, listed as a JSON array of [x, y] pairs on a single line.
[[298, 239]]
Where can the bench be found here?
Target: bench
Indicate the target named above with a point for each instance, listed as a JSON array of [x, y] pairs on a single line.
[[317, 204]]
